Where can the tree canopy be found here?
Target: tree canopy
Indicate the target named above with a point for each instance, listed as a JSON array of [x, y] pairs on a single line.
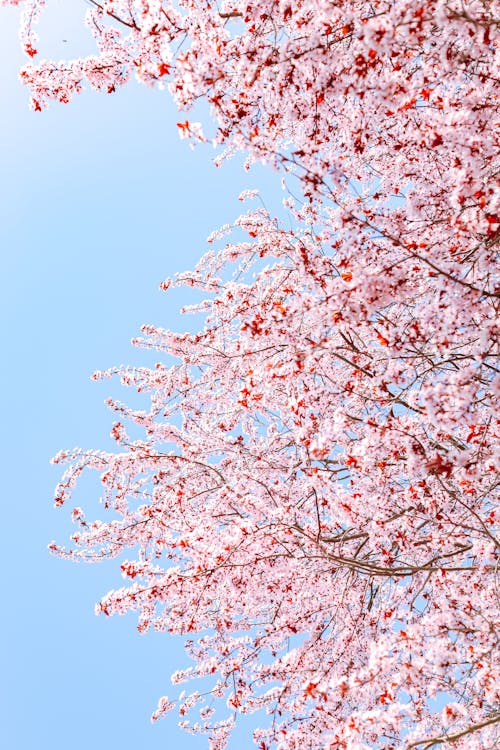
[[313, 499]]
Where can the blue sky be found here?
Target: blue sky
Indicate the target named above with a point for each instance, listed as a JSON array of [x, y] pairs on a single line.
[[99, 201]]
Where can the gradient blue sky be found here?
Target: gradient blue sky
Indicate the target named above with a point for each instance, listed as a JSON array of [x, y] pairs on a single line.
[[100, 200]]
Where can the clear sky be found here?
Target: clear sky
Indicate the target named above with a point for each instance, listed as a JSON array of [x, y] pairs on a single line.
[[99, 201]]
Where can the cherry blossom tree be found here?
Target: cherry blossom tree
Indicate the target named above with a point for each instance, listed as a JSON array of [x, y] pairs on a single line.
[[312, 494]]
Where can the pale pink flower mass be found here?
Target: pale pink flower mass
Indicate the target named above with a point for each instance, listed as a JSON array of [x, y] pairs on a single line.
[[314, 499]]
